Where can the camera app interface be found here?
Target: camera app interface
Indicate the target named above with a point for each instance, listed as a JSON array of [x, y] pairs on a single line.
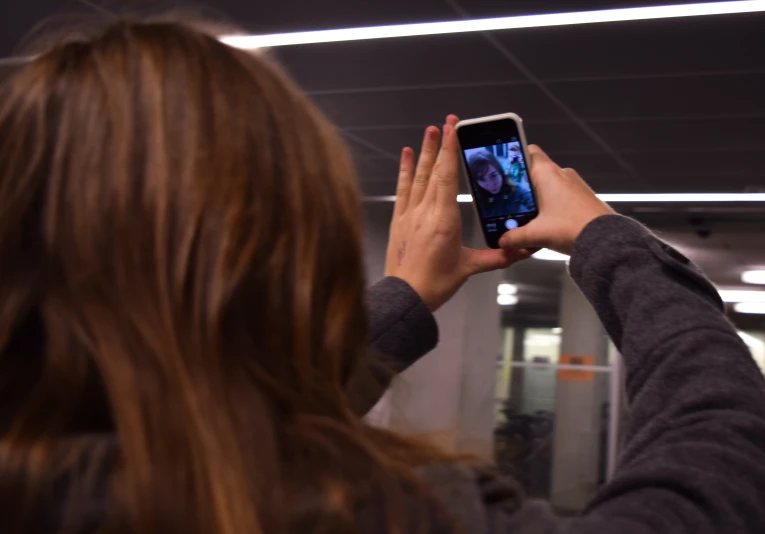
[[500, 180]]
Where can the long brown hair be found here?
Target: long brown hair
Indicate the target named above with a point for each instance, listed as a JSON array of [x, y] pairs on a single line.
[[180, 267]]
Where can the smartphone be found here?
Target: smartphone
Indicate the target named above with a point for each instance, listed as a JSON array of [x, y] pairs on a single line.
[[496, 160]]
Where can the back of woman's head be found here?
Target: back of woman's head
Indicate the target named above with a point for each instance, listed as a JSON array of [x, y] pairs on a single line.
[[180, 264]]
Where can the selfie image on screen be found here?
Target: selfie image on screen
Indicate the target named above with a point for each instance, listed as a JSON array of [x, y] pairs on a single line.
[[501, 180]]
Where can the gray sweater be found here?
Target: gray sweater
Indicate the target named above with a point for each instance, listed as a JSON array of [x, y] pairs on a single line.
[[694, 455]]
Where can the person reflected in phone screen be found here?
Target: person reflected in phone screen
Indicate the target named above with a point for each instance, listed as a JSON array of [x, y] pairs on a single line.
[[501, 180]]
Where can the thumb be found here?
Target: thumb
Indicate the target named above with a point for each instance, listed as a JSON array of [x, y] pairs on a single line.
[[483, 261], [538, 155], [519, 238]]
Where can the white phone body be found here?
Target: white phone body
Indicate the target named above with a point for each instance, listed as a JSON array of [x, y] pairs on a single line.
[[492, 118]]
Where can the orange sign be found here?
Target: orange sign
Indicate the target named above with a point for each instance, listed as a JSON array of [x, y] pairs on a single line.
[[573, 375]]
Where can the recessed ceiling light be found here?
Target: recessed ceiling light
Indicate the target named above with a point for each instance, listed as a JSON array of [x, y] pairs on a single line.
[[491, 24], [753, 277], [750, 307], [507, 289], [742, 296], [551, 255], [507, 300]]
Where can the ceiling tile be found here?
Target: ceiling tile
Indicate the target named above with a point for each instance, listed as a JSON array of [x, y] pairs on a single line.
[[693, 95], [700, 171], [453, 59], [370, 169], [642, 48], [431, 106], [564, 137], [296, 15], [503, 8], [21, 23], [711, 134], [601, 172], [561, 138]]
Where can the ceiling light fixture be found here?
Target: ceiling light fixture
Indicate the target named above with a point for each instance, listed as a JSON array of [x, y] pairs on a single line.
[[507, 300], [507, 289], [491, 24], [550, 255], [731, 296], [682, 197], [751, 341], [753, 277], [635, 197], [750, 307]]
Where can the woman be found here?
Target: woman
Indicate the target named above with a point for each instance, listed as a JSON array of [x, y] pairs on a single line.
[[182, 332], [498, 195], [181, 300]]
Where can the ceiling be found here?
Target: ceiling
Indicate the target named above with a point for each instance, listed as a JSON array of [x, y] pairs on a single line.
[[668, 105], [651, 106]]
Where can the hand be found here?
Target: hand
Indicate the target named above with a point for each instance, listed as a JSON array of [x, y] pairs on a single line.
[[425, 243], [566, 206]]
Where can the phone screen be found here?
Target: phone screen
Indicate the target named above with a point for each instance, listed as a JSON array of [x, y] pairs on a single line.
[[498, 172]]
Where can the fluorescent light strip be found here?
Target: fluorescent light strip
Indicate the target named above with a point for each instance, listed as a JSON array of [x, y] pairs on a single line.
[[507, 300], [750, 307], [550, 255], [682, 197], [751, 341], [636, 197], [753, 277], [507, 289], [753, 297], [491, 24]]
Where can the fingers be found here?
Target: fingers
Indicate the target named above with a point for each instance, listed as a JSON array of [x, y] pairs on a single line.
[[446, 170], [483, 261], [520, 238], [405, 177], [424, 165], [452, 120], [538, 155], [541, 166]]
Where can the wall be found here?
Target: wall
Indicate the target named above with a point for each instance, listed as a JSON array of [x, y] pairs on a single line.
[[448, 396]]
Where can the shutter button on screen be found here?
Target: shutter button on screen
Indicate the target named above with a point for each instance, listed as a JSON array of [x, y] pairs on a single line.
[[511, 223]]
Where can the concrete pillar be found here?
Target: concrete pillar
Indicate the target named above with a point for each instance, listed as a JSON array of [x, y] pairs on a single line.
[[578, 403], [448, 396], [481, 350]]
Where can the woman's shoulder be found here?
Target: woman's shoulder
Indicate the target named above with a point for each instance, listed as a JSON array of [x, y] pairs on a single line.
[[483, 501]]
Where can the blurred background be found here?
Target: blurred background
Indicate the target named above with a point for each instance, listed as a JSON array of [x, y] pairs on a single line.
[[525, 373]]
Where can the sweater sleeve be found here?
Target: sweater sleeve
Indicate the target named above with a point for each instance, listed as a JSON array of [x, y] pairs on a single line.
[[401, 331], [694, 456]]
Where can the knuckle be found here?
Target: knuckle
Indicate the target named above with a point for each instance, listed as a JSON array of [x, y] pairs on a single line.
[[438, 172]]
